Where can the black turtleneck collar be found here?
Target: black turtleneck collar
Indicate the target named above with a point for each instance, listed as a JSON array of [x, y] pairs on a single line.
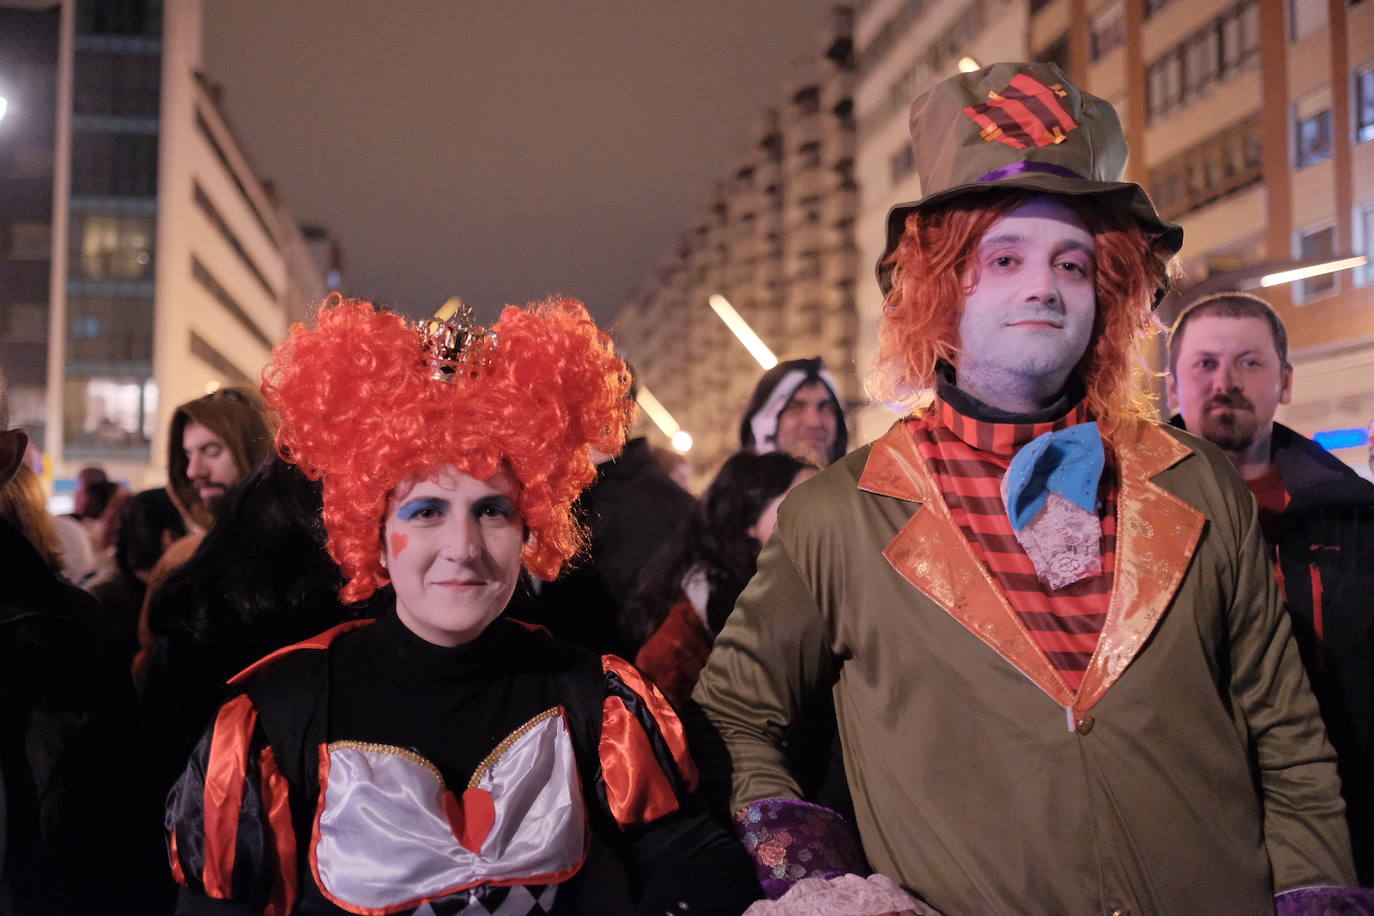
[[418, 666], [947, 390]]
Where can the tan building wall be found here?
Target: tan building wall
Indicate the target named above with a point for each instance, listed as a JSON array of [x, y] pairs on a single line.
[[1247, 133], [230, 265], [776, 239]]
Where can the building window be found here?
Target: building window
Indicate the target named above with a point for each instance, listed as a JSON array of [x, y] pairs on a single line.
[[1318, 245], [117, 84], [1221, 165], [1107, 29], [808, 100], [1312, 128], [114, 165], [119, 17], [110, 415], [1364, 104], [1154, 6], [809, 155], [1205, 58], [112, 247], [100, 330], [1305, 17], [811, 209]]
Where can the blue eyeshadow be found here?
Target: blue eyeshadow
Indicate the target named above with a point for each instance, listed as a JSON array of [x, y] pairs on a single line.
[[416, 506]]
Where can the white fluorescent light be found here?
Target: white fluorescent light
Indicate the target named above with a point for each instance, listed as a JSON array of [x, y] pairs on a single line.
[[682, 441], [740, 328], [657, 412], [1316, 270], [969, 64]]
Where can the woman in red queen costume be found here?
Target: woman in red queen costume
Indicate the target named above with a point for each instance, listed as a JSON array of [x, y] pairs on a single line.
[[444, 759]]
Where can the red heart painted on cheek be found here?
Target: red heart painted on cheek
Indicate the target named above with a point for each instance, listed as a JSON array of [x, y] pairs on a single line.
[[472, 819], [398, 542]]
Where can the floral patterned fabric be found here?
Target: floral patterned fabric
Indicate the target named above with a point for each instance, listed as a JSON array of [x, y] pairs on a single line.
[[791, 840]]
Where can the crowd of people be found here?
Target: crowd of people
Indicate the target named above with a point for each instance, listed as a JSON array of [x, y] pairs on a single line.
[[418, 628]]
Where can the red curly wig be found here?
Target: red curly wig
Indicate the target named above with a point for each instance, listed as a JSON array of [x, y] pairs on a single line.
[[933, 273], [359, 408]]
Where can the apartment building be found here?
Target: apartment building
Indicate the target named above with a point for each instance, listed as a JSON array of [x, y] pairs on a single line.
[[902, 49], [1249, 121], [776, 239], [170, 268]]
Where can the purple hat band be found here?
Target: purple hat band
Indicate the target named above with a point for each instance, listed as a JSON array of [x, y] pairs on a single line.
[[1022, 166]]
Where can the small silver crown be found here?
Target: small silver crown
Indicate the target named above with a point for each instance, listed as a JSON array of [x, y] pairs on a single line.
[[455, 344]]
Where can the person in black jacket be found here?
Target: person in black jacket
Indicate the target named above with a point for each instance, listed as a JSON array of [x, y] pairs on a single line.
[[631, 510], [1228, 373], [76, 835]]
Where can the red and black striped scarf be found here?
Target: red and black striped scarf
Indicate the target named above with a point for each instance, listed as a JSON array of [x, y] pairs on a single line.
[[968, 457]]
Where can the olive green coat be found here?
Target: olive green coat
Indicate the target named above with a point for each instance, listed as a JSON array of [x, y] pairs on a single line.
[[1191, 772]]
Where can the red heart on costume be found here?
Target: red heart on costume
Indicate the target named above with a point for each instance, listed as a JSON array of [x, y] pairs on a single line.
[[472, 819]]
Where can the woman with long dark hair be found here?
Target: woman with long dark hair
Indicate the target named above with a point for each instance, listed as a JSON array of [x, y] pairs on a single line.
[[688, 591]]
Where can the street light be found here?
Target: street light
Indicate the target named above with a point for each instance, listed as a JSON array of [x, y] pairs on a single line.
[[4, 104], [969, 64], [679, 437], [1315, 270], [740, 328]]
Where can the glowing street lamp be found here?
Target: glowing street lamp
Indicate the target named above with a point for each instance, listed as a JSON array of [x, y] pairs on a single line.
[[4, 105], [740, 328], [1314, 270], [969, 64], [679, 437]]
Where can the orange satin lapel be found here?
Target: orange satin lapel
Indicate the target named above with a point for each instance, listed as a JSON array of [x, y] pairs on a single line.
[[932, 554], [891, 467], [1157, 534]]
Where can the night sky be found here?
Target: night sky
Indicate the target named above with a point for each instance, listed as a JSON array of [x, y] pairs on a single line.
[[501, 150]]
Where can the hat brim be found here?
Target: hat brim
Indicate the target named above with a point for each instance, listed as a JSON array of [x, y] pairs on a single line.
[[13, 444], [1126, 195]]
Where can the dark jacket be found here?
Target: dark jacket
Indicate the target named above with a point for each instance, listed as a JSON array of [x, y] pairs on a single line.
[[1325, 553], [78, 826], [631, 510]]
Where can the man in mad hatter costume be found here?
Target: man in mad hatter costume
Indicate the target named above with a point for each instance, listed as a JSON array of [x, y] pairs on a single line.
[[1061, 670]]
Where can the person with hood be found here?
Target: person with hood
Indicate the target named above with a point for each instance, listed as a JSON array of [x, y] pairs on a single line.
[[1062, 673], [795, 408], [214, 442], [1228, 373]]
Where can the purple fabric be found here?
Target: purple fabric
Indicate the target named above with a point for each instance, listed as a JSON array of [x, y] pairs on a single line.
[[1326, 901], [791, 839], [1022, 166]]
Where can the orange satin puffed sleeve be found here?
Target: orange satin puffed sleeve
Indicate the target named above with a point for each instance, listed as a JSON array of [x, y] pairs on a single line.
[[643, 748]]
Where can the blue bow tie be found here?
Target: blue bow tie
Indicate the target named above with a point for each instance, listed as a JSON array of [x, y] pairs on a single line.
[[1067, 462]]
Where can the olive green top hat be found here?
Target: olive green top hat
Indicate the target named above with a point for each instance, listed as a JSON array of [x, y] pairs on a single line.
[[1019, 125]]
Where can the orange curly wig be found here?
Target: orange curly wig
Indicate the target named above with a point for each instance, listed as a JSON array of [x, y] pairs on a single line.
[[932, 274], [359, 409]]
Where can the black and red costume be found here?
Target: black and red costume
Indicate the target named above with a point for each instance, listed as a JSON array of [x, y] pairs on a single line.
[[368, 771]]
